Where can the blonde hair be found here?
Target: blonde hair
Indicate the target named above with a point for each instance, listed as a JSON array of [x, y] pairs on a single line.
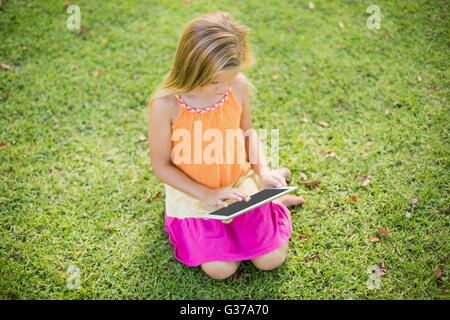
[[210, 44]]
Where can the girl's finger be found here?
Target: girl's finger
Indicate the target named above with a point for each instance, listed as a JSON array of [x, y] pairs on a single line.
[[280, 180], [232, 196], [241, 194], [223, 204]]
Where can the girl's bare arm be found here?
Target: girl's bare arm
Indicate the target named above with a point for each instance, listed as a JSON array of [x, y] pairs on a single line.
[[160, 145]]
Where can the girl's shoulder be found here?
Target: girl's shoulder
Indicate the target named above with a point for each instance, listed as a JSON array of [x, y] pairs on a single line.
[[240, 87], [166, 106]]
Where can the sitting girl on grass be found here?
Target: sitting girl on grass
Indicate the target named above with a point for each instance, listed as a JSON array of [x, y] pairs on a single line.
[[205, 91]]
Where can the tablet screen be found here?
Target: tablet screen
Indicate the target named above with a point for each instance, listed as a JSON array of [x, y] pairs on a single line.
[[254, 199]]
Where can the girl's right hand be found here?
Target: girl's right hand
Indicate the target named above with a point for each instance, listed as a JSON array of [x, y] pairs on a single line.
[[215, 197]]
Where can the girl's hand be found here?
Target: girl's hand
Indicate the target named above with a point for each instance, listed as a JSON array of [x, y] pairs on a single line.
[[216, 197], [273, 180]]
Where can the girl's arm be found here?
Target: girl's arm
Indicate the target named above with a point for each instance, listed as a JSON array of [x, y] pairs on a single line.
[[160, 145]]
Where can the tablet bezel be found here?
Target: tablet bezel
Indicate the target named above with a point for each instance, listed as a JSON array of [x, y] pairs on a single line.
[[218, 217]]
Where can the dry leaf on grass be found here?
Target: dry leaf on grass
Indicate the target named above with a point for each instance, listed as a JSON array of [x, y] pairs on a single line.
[[330, 154], [354, 199], [314, 183], [374, 238], [437, 272], [381, 270], [324, 124], [365, 180], [383, 231], [5, 67], [313, 257], [157, 196]]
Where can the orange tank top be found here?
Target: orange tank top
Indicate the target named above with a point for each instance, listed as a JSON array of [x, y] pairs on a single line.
[[208, 143]]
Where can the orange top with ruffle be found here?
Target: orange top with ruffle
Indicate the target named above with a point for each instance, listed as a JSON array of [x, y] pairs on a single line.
[[208, 143]]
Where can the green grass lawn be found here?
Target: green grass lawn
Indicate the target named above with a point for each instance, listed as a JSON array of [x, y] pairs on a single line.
[[77, 187]]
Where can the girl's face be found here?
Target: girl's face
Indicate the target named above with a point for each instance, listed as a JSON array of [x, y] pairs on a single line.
[[220, 83]]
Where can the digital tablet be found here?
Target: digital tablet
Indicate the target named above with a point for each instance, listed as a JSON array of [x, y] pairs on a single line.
[[239, 207]]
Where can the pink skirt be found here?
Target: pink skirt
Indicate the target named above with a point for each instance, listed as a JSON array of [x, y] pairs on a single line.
[[250, 235]]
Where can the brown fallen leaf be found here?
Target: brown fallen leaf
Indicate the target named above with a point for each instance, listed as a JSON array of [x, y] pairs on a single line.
[[340, 46], [302, 237], [5, 98], [81, 30], [353, 198], [365, 180], [313, 257], [436, 88], [330, 154], [383, 231], [356, 176], [437, 272], [374, 238], [66, 3], [324, 124], [276, 69], [291, 29], [381, 270], [157, 196], [3, 145], [314, 183], [5, 67]]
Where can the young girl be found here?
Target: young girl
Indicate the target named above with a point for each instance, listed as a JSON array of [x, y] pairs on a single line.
[[205, 89]]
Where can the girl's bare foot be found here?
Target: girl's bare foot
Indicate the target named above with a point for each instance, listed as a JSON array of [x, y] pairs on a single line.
[[291, 200]]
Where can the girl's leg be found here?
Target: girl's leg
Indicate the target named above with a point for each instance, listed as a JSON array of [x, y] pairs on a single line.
[[220, 270], [273, 259]]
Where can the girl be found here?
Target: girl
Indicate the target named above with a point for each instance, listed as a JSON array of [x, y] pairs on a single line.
[[206, 90]]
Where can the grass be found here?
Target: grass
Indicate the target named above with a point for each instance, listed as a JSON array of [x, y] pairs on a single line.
[[83, 193]]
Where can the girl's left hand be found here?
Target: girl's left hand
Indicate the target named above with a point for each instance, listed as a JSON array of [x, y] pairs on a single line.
[[273, 180]]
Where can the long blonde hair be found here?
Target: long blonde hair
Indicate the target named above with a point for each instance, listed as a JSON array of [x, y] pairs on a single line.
[[211, 43]]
